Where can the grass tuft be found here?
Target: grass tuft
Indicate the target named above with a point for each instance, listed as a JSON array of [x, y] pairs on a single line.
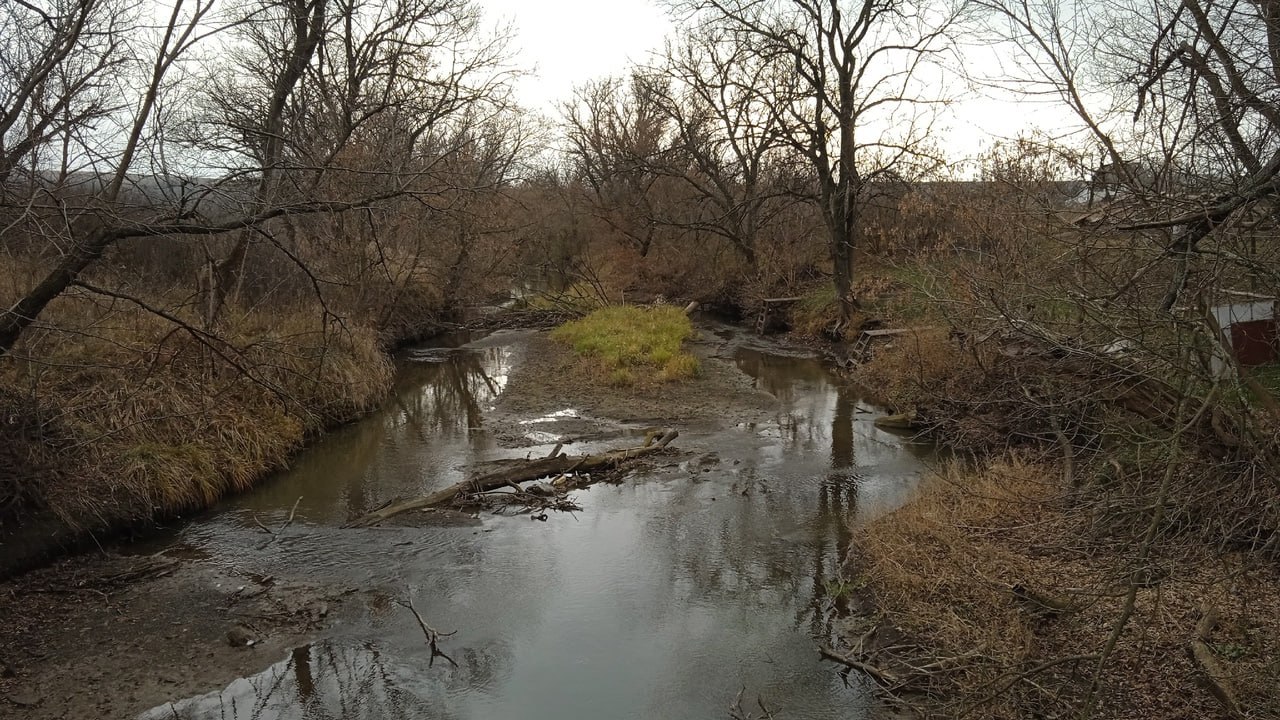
[[627, 340]]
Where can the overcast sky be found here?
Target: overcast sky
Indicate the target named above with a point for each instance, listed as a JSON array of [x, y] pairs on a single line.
[[569, 42]]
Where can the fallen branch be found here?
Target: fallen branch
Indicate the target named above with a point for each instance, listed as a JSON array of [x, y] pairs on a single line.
[[884, 677], [460, 493], [736, 711], [1008, 680], [1217, 678], [523, 502], [276, 533], [432, 635]]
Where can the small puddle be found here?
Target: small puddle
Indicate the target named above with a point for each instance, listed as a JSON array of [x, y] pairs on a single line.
[[665, 597]]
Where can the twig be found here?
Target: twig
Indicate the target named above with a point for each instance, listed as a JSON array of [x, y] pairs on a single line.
[[736, 711], [1014, 679], [433, 636], [1218, 680], [884, 677], [276, 533]]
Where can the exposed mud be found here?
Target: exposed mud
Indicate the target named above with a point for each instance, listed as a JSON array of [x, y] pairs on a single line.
[[553, 397], [105, 636]]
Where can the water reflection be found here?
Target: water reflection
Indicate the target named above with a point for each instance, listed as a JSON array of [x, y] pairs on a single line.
[[422, 438], [666, 596], [449, 395], [322, 681], [860, 470]]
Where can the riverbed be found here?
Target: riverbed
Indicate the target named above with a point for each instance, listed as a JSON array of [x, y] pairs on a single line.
[[707, 574]]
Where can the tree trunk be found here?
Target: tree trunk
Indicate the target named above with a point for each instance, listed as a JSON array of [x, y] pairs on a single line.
[[15, 320], [842, 274], [457, 270], [309, 25]]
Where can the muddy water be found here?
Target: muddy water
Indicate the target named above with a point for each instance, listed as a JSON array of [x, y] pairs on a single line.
[[710, 572]]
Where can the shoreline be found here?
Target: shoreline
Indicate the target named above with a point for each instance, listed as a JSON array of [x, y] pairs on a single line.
[[180, 604], [1027, 579], [40, 538]]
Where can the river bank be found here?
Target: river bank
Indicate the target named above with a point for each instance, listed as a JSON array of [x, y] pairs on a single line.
[[143, 452], [717, 561], [1035, 575]]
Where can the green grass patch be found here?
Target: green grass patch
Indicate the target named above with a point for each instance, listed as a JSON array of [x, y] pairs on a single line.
[[630, 342], [907, 300], [1236, 394], [816, 311]]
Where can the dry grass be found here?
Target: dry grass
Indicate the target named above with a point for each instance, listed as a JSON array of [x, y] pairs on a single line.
[[148, 419], [918, 370], [817, 313], [953, 585], [943, 569]]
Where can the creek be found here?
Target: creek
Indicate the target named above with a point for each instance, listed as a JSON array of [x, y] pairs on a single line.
[[709, 571]]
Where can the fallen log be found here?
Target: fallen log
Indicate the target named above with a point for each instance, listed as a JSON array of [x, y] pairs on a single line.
[[537, 469]]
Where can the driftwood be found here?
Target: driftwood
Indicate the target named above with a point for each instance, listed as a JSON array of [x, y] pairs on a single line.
[[737, 712], [276, 533], [552, 465]]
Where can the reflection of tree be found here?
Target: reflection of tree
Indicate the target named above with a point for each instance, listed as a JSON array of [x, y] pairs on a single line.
[[817, 419], [780, 375], [329, 680], [302, 674], [431, 400], [448, 396], [327, 473], [842, 432]]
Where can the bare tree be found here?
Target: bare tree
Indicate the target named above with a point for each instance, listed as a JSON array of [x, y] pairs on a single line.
[[92, 229], [289, 33], [616, 133], [348, 105], [716, 93], [1176, 95], [854, 112], [56, 59]]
